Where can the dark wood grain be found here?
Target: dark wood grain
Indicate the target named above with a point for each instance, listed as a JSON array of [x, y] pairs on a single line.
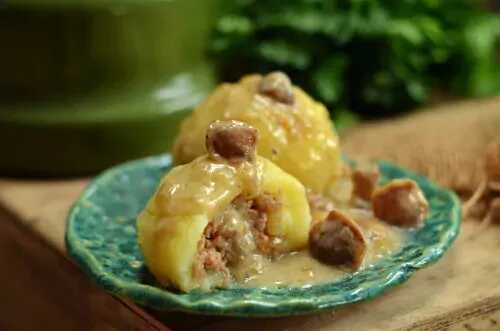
[[42, 290]]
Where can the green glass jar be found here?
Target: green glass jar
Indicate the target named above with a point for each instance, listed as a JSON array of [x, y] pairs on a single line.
[[87, 84]]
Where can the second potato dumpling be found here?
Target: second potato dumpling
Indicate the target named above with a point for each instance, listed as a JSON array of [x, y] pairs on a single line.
[[296, 132], [218, 218]]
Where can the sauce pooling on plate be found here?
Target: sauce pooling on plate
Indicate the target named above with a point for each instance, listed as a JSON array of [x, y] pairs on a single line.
[[301, 269]]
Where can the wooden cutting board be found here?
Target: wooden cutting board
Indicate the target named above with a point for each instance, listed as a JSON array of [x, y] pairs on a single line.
[[42, 289]]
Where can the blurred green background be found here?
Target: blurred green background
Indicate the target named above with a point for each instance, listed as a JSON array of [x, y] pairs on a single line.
[[368, 57], [87, 84]]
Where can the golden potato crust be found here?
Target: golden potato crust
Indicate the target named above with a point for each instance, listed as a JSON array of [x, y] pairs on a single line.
[[296, 135], [208, 193]]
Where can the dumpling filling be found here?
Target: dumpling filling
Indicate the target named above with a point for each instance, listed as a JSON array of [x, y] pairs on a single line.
[[235, 243]]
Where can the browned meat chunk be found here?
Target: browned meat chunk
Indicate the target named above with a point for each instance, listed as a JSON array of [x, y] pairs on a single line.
[[338, 240], [278, 87], [232, 140], [401, 203], [365, 179]]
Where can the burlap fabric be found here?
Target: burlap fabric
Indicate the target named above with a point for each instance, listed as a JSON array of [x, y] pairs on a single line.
[[446, 142]]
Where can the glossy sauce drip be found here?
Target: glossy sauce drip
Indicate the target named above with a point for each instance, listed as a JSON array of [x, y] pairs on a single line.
[[202, 186]]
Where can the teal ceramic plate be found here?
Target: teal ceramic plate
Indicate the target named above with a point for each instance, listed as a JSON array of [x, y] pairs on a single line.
[[101, 237]]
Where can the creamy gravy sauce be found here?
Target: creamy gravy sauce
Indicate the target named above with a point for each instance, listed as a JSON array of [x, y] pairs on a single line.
[[301, 269]]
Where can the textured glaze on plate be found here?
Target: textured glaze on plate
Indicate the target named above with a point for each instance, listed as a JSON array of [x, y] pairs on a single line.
[[101, 237]]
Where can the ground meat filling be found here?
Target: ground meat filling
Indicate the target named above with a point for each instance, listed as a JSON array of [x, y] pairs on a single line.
[[210, 259], [258, 213], [236, 236]]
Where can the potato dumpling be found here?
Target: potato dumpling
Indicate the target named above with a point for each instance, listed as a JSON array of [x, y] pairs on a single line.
[[216, 219], [296, 132]]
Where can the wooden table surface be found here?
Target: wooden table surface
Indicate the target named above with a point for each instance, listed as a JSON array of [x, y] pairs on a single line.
[[460, 292]]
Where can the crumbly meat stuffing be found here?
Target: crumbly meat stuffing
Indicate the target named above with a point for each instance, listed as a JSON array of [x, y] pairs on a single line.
[[210, 259], [236, 233]]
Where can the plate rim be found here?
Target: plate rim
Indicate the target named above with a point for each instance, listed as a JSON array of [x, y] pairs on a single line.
[[164, 300]]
